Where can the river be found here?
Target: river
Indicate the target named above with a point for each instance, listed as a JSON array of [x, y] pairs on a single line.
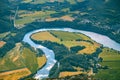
[[44, 72]]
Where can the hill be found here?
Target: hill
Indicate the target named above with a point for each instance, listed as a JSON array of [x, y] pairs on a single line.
[[21, 61]]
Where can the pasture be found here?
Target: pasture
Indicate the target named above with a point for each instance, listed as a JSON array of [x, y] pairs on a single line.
[[111, 58]]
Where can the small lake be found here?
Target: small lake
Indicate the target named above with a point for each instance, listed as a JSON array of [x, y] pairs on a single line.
[[44, 72]]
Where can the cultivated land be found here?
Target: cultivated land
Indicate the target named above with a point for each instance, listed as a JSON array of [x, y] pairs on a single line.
[[64, 18], [27, 17], [15, 74], [69, 12], [21, 61], [111, 58], [68, 39], [2, 43], [64, 74], [44, 36]]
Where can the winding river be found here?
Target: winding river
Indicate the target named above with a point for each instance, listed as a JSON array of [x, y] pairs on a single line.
[[44, 72]]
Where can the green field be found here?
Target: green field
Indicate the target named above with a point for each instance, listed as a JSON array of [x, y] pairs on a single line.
[[30, 17], [69, 36], [68, 39], [21, 59], [73, 42], [35, 1], [72, 1], [111, 58]]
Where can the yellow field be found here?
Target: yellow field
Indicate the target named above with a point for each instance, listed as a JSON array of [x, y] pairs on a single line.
[[69, 40], [66, 73], [44, 36], [15, 74], [37, 13], [65, 18], [70, 43], [2, 43], [51, 19], [79, 71], [18, 63], [77, 68], [41, 61], [90, 48]]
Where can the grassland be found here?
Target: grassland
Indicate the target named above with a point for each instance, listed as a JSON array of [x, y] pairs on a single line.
[[21, 61], [35, 1], [68, 39], [2, 35], [41, 61], [44, 36], [72, 1], [26, 16], [44, 1], [65, 36], [66, 73], [15, 74], [40, 1], [26, 1], [64, 18], [2, 43], [29, 17], [30, 60], [111, 58]]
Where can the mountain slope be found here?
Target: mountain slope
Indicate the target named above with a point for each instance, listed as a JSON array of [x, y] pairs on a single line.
[[21, 59], [6, 23]]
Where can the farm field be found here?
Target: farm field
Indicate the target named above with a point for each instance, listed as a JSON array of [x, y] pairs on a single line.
[[2, 43], [15, 74], [77, 55], [68, 39], [65, 74], [19, 62], [32, 16], [111, 58], [64, 18], [44, 36]]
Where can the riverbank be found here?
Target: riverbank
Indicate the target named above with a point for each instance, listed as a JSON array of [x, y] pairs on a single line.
[[70, 30]]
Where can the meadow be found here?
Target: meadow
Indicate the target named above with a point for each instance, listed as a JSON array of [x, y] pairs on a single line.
[[83, 44], [19, 62], [2, 43], [29, 17], [111, 58], [68, 39]]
